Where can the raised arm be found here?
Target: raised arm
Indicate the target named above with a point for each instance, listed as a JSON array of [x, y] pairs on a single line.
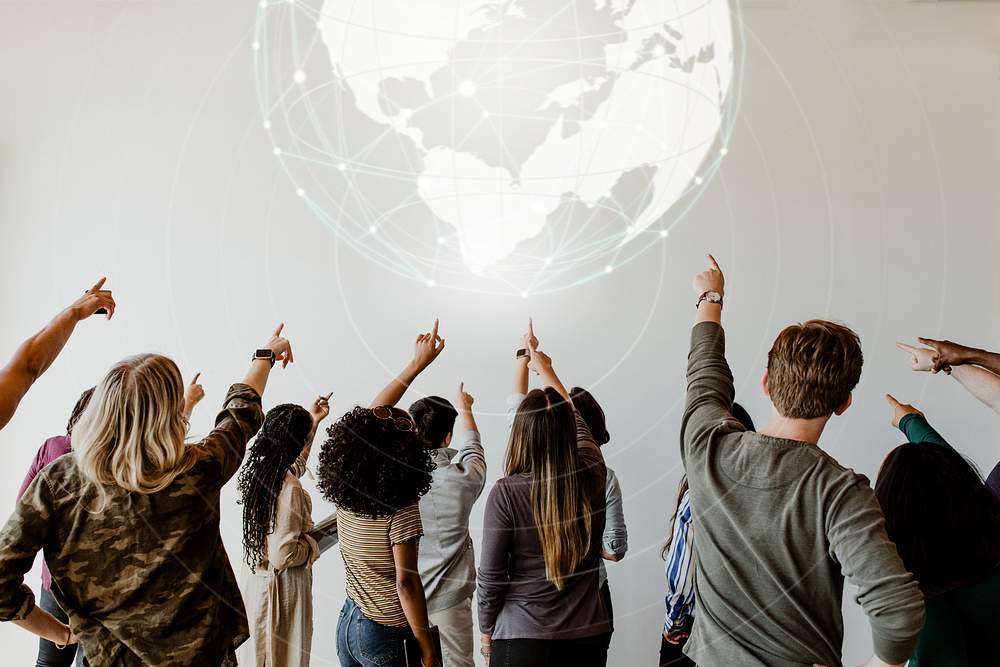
[[913, 424], [541, 363], [320, 410], [981, 383], [192, 396], [36, 354], [710, 389], [260, 367], [959, 362], [949, 355], [522, 359], [426, 349]]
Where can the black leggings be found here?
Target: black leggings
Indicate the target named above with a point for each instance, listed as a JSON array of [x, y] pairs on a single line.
[[584, 652]]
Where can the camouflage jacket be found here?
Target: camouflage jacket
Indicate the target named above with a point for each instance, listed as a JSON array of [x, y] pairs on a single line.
[[147, 580]]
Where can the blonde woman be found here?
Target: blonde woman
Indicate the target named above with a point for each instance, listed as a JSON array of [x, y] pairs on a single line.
[[542, 536], [129, 523]]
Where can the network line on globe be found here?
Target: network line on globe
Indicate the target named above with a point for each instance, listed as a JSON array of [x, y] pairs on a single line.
[[516, 147]]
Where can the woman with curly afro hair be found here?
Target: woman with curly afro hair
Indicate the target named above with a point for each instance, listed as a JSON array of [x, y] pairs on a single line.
[[278, 541], [374, 467]]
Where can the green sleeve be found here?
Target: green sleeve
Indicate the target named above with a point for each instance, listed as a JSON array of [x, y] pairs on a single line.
[[917, 429]]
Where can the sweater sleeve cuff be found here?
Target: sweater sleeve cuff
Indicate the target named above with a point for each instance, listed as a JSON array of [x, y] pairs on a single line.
[[893, 651], [907, 422]]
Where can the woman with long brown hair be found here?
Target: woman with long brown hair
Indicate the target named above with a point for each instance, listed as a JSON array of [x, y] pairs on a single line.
[[542, 535]]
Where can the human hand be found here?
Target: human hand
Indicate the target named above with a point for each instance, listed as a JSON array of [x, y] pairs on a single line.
[[427, 347], [281, 347], [486, 646], [528, 339], [320, 408], [675, 636], [465, 399], [93, 302], [921, 358], [193, 395], [946, 353], [900, 410], [538, 361], [429, 656], [710, 280]]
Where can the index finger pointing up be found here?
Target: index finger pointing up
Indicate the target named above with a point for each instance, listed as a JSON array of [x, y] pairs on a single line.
[[277, 332], [531, 328], [99, 284], [196, 376], [715, 265], [434, 331]]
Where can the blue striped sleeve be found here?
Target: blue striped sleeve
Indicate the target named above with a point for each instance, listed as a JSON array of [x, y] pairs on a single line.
[[680, 569]]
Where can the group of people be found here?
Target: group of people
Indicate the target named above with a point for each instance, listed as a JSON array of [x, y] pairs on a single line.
[[766, 529]]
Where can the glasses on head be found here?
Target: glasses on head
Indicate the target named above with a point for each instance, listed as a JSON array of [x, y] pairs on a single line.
[[384, 412]]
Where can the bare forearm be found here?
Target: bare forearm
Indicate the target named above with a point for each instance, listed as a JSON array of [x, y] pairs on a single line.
[[709, 312], [521, 376], [394, 391], [988, 360], [260, 370], [411, 598], [981, 383], [45, 625], [468, 420], [550, 379]]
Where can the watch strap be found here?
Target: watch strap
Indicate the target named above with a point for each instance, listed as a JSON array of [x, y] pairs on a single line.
[[266, 354], [522, 353], [711, 296]]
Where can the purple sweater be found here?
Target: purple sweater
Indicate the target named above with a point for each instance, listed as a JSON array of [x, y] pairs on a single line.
[[516, 601], [50, 450]]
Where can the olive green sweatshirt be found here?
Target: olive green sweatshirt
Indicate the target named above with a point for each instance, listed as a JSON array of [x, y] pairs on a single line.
[[779, 525]]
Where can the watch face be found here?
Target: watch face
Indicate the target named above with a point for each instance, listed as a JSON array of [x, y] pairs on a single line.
[[714, 297]]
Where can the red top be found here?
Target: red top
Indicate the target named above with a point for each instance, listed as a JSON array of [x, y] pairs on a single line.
[[50, 450]]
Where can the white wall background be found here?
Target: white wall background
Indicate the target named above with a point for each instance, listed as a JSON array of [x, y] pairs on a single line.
[[861, 184]]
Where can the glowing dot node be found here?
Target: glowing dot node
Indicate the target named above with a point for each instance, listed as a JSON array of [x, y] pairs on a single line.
[[467, 88], [442, 240], [299, 76], [263, 4], [430, 283], [300, 192], [319, 25], [723, 151], [664, 233], [373, 229], [524, 295], [267, 125], [486, 114], [256, 46], [277, 151], [659, 50], [698, 180], [629, 229], [609, 268], [342, 166], [548, 260]]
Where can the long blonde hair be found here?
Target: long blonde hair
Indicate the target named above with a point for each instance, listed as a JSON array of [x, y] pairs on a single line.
[[543, 445], [131, 435]]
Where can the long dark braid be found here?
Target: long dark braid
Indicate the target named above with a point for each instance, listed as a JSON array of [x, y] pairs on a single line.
[[272, 453]]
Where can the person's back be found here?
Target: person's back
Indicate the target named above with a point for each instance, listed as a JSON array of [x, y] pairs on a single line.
[[946, 525], [147, 573], [779, 522]]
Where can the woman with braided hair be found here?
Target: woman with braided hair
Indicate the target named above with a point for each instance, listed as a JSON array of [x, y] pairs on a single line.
[[277, 544]]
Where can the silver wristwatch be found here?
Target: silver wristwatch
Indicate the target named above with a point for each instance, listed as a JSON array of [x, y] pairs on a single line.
[[711, 296]]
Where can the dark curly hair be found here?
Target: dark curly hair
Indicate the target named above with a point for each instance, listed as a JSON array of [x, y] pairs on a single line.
[[277, 446], [371, 466]]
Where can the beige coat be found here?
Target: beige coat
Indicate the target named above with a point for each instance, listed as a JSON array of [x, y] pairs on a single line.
[[278, 594]]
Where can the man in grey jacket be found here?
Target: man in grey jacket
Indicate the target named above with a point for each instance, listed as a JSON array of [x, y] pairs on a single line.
[[780, 522], [446, 559]]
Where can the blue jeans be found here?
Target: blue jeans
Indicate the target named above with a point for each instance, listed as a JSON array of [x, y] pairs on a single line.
[[48, 654], [361, 642]]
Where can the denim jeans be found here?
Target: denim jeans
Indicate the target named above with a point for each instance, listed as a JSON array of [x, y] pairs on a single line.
[[48, 654], [361, 642], [583, 652]]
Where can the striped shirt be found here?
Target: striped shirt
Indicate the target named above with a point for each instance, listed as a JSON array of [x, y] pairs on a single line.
[[680, 569], [369, 568]]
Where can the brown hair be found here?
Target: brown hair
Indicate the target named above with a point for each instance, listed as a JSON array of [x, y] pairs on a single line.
[[812, 368], [543, 445]]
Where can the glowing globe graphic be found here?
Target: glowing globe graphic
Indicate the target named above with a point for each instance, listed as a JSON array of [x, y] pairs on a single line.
[[520, 146]]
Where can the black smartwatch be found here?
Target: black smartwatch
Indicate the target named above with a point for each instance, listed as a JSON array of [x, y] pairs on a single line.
[[266, 354], [711, 296], [522, 353]]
